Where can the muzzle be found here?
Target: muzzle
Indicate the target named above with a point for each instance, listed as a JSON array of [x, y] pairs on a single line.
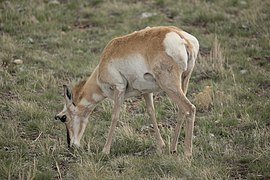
[[62, 119]]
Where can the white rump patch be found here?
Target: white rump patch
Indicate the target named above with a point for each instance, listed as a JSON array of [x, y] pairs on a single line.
[[193, 40], [175, 47]]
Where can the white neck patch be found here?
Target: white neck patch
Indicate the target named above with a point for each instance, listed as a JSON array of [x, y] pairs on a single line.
[[84, 102]]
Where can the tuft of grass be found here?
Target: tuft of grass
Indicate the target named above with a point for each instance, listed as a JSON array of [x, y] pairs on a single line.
[[212, 65]]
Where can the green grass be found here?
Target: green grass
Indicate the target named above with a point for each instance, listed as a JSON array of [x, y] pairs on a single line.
[[61, 43]]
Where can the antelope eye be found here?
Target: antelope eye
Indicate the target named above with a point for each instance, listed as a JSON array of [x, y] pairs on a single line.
[[63, 118]]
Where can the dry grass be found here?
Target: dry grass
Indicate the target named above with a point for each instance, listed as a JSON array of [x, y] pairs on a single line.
[[213, 62]]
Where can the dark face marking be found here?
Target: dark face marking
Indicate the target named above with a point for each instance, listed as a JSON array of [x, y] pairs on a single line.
[[68, 137], [61, 118], [68, 94], [56, 117]]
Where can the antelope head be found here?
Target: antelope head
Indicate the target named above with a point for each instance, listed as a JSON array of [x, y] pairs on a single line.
[[77, 107], [67, 114]]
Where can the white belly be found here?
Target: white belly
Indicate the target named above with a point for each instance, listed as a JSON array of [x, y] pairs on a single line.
[[136, 74], [140, 86]]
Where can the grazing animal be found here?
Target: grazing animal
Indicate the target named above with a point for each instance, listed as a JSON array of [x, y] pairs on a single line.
[[146, 61]]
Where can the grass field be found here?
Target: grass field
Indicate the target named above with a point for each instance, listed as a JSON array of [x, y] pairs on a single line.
[[59, 42]]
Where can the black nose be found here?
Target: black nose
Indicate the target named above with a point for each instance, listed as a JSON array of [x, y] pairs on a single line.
[[63, 118], [56, 117]]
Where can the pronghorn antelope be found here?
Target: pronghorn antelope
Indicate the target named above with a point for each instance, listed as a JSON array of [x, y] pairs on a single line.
[[152, 59]]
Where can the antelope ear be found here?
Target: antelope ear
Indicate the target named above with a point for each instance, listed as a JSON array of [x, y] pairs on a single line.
[[68, 94]]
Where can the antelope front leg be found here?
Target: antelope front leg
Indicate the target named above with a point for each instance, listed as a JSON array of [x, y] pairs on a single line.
[[82, 129], [118, 101], [151, 111], [79, 125]]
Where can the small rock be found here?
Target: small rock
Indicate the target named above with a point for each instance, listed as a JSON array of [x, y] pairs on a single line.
[[18, 61], [54, 2], [30, 40], [244, 3], [147, 14], [245, 26], [144, 127], [243, 71]]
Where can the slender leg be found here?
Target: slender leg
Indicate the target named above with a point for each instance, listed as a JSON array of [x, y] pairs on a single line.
[[177, 133], [190, 121], [118, 101], [151, 111], [169, 78], [185, 82], [76, 129], [189, 114], [79, 134], [189, 132]]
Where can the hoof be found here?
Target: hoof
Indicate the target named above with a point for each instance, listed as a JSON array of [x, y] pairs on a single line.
[[105, 152], [188, 154], [159, 151]]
